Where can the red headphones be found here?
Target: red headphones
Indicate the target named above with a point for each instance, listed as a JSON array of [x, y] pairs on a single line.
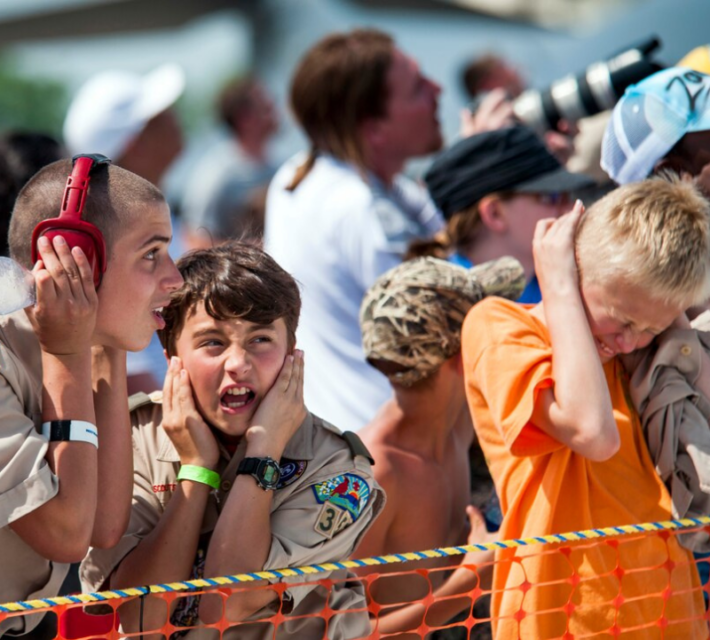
[[69, 225]]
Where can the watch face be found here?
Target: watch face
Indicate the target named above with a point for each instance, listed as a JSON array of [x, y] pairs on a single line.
[[270, 473]]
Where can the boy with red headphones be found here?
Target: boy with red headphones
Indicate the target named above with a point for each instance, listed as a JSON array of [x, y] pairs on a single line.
[[103, 274]]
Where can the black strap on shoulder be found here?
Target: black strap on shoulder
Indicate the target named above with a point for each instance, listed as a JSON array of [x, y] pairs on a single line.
[[357, 446], [138, 400]]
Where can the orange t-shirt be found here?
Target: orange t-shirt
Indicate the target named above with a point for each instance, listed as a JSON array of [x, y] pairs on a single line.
[[638, 583]]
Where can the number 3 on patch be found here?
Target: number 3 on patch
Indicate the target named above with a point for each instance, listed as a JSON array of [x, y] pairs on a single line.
[[328, 520]]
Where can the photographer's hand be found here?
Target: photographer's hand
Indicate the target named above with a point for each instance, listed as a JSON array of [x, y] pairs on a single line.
[[495, 111], [560, 142]]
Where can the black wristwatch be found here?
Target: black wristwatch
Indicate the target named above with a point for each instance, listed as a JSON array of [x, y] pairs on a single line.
[[265, 471]]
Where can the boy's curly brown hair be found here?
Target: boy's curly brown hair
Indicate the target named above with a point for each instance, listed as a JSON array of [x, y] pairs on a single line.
[[233, 280]]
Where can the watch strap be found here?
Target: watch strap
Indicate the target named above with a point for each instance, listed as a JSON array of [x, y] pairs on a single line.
[[71, 431], [249, 465]]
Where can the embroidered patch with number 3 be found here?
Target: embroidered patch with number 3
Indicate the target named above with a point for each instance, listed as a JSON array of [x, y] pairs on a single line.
[[329, 518]]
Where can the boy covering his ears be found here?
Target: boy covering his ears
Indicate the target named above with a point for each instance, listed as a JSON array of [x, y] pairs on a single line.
[[232, 473], [550, 404], [63, 371]]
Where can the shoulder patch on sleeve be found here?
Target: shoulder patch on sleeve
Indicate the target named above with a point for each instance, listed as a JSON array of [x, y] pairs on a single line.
[[357, 446], [348, 491], [291, 470]]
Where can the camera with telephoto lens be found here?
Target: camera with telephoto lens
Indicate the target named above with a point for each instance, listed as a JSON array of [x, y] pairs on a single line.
[[596, 89]]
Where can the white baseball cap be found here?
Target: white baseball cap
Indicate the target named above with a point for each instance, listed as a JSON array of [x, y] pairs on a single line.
[[113, 107]]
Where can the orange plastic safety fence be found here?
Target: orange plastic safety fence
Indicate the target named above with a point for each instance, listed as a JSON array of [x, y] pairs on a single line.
[[640, 585]]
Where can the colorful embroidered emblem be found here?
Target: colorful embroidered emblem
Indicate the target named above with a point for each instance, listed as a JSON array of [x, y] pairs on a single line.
[[291, 470], [347, 491]]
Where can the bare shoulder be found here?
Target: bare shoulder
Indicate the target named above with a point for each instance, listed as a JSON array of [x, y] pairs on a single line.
[[387, 464], [405, 476], [397, 469]]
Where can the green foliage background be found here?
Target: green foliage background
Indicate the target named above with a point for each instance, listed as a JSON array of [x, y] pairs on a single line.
[[34, 103], [31, 103]]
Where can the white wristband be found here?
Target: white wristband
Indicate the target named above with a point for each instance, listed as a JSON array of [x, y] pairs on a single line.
[[71, 431]]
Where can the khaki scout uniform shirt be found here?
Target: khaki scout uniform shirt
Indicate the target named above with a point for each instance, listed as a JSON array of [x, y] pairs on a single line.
[[26, 481], [326, 500]]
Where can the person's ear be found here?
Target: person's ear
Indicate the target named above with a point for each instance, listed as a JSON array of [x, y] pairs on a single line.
[[371, 132], [492, 214]]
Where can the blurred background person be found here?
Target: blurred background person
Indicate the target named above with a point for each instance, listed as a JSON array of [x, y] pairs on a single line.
[[8, 193], [488, 72], [661, 124], [342, 214], [130, 118], [491, 82], [26, 152], [226, 192], [493, 188], [22, 154]]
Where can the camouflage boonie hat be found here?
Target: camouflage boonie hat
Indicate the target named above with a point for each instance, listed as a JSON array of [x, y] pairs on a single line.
[[411, 317]]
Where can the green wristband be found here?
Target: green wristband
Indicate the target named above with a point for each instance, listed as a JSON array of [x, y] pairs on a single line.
[[199, 474]]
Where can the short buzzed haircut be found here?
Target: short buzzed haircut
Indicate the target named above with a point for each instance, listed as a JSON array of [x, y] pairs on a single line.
[[113, 196], [654, 235]]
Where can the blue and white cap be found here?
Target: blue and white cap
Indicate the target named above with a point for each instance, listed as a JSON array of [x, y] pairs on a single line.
[[651, 117]]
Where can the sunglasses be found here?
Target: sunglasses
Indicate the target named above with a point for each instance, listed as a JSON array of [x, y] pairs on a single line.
[[550, 198]]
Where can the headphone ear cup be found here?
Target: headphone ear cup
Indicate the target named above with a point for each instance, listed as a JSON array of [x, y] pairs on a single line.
[[91, 249]]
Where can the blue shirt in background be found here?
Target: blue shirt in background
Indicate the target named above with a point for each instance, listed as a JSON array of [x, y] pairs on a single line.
[[530, 295]]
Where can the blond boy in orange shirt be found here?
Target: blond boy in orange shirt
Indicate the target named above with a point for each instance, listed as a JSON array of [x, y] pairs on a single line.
[[566, 451]]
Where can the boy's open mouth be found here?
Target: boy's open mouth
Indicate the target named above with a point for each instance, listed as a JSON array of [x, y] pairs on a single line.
[[237, 397], [158, 315]]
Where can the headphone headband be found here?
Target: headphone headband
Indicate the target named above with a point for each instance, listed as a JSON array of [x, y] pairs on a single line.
[[74, 197]]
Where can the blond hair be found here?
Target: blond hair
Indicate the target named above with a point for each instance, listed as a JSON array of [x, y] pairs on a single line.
[[654, 235]]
